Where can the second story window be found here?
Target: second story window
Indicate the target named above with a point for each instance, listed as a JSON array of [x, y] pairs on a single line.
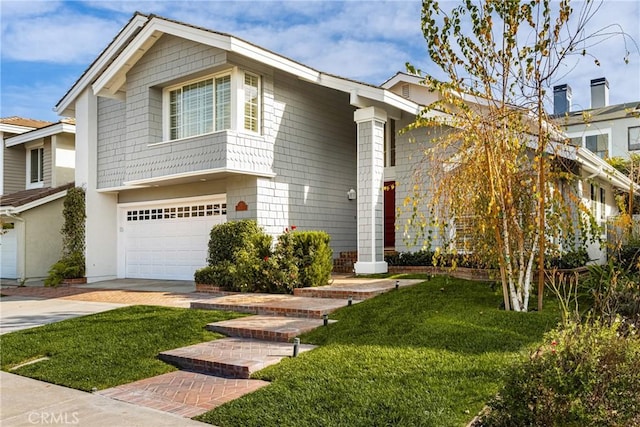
[[230, 100], [36, 166], [634, 138], [200, 107], [598, 144], [251, 102]]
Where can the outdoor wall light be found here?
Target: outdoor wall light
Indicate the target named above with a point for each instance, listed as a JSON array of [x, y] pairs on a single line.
[[351, 194]]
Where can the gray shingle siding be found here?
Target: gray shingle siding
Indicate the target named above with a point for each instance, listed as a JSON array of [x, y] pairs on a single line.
[[15, 171], [308, 140]]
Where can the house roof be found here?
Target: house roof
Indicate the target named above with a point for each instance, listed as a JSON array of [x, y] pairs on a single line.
[[610, 112], [24, 122], [107, 74], [63, 126], [27, 199], [18, 125]]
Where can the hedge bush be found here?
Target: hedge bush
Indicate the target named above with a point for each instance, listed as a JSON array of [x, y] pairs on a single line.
[[314, 257], [585, 375], [241, 259]]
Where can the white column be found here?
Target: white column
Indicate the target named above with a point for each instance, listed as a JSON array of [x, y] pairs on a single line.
[[101, 224], [370, 122]]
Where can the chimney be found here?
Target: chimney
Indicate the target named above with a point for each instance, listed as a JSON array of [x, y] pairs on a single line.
[[561, 99], [599, 93]]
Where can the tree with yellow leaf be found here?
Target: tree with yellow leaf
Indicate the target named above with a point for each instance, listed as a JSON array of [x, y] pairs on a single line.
[[494, 161]]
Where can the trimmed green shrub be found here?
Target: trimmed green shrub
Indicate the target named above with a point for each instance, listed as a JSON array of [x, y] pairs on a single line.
[[227, 238], [585, 375], [313, 256], [240, 259]]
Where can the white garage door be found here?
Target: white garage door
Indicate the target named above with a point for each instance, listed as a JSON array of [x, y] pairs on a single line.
[[9, 249], [169, 240]]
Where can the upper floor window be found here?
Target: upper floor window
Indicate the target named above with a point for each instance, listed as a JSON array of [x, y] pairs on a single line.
[[207, 105], [191, 107], [598, 144], [251, 102], [36, 167], [634, 138], [390, 143]]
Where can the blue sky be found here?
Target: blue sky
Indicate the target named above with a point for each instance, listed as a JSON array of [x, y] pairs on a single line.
[[46, 45]]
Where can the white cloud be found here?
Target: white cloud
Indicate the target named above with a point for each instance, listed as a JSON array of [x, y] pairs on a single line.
[[11, 10], [57, 38]]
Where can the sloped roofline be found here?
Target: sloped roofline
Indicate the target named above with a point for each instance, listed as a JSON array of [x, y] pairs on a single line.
[[65, 105], [105, 74], [52, 129]]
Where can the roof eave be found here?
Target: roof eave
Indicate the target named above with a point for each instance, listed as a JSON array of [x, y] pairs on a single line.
[[55, 129], [66, 107]]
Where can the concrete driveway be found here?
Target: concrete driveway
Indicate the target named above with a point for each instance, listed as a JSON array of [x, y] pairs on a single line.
[[19, 312]]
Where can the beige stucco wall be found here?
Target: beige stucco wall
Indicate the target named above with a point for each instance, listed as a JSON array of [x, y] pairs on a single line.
[[43, 241]]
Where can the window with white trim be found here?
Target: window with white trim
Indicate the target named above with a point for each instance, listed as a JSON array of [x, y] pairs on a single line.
[[209, 105], [36, 167], [598, 144], [251, 102], [598, 202], [634, 138], [390, 144], [191, 107]]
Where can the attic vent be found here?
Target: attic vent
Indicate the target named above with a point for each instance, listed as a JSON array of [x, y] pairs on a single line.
[[405, 91]]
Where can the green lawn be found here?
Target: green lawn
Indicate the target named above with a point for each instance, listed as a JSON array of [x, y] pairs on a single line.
[[107, 349], [428, 355]]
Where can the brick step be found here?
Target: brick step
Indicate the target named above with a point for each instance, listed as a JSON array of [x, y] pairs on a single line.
[[230, 357], [357, 289], [267, 328], [270, 304]]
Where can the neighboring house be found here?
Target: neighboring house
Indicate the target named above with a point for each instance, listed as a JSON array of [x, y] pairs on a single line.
[[595, 188], [606, 130], [38, 168], [180, 128]]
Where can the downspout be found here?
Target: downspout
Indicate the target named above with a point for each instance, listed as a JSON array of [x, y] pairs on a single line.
[[22, 238]]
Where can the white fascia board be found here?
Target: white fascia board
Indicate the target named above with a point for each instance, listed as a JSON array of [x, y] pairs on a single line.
[[66, 104], [5, 127], [156, 26], [39, 202], [357, 90], [151, 181], [402, 78], [595, 164], [41, 133]]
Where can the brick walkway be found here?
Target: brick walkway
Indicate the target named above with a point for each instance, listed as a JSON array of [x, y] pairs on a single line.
[[183, 393], [260, 340]]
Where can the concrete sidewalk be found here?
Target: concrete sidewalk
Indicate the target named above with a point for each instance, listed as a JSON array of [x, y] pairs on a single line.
[[19, 312], [27, 402]]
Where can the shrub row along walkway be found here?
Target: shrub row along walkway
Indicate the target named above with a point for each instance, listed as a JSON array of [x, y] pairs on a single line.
[[218, 371]]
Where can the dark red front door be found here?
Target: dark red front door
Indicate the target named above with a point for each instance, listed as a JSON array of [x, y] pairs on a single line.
[[389, 214]]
